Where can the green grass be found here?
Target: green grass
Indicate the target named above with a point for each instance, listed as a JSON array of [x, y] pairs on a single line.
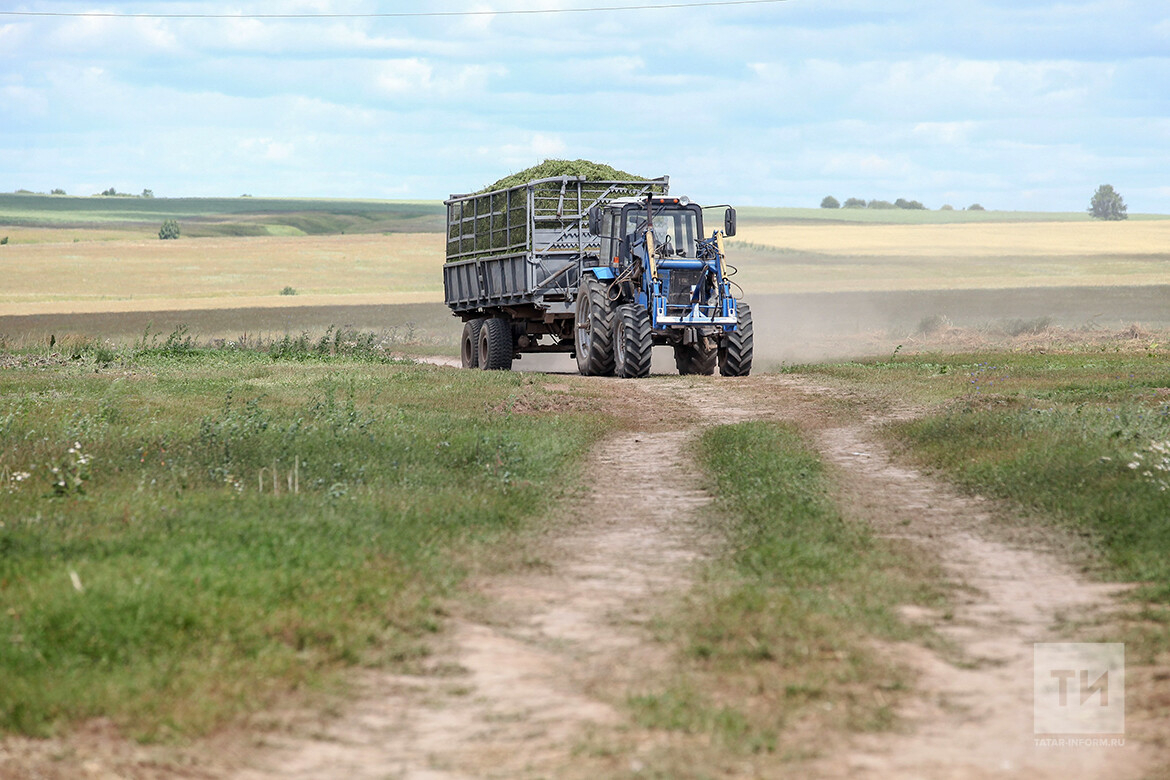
[[778, 634], [150, 574], [1053, 433], [225, 216]]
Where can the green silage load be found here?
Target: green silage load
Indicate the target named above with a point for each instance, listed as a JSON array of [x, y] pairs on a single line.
[[495, 220], [550, 168]]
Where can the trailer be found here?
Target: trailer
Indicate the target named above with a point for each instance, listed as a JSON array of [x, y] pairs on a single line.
[[540, 267]]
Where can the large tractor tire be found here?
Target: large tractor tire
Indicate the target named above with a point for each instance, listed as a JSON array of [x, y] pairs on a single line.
[[631, 342], [593, 329], [735, 359], [698, 358], [495, 345], [469, 344]]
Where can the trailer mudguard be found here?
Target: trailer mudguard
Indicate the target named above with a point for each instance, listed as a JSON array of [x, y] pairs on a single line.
[[601, 272]]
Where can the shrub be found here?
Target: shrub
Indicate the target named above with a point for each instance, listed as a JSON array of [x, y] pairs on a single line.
[[288, 290], [169, 230], [830, 203], [57, 192], [855, 203], [4, 240], [975, 207]]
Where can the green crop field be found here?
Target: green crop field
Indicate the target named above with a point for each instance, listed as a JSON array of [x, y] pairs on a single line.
[[106, 217]]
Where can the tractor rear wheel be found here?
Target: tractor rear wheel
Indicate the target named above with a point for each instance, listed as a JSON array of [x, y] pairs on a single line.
[[593, 329], [495, 345], [697, 358], [631, 342], [469, 344], [735, 359]]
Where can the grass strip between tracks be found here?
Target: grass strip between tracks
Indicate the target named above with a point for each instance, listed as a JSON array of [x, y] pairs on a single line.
[[151, 574], [775, 640]]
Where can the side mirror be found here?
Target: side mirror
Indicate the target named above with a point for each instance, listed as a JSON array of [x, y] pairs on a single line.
[[595, 220], [729, 223]]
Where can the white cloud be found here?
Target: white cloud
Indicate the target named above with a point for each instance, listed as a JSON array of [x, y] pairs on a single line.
[[417, 78]]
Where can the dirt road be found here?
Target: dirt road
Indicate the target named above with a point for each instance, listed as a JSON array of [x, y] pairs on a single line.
[[543, 672], [532, 678]]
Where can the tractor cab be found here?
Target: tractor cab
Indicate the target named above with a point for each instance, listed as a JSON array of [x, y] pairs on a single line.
[[677, 229]]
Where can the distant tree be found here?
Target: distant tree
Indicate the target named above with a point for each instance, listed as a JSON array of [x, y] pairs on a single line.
[[169, 229], [1107, 204], [975, 207], [148, 193], [880, 204], [946, 207], [57, 192], [830, 203], [902, 203], [110, 191], [855, 203], [4, 240]]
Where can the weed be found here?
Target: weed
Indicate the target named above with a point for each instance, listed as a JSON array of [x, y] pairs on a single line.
[[234, 545]]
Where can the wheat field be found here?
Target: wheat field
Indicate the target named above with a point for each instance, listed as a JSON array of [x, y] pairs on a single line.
[[134, 275], [145, 274]]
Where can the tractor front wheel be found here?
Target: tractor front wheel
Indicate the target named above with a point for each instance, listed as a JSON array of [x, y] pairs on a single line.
[[735, 358], [632, 343]]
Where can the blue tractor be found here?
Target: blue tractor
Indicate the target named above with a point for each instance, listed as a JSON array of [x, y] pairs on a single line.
[[603, 270], [662, 283]]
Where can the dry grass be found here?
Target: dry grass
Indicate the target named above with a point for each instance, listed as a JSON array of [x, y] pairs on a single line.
[[129, 275], [341, 270], [1028, 239]]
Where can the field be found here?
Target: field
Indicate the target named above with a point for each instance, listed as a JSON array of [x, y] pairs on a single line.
[[220, 273], [246, 533], [36, 218]]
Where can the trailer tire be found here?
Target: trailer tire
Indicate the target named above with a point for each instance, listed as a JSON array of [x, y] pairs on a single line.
[[496, 348], [469, 344], [697, 359], [593, 329], [632, 343], [735, 357]]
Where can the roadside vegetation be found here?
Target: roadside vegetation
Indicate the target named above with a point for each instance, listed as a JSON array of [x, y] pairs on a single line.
[[188, 535], [1079, 438], [776, 639]]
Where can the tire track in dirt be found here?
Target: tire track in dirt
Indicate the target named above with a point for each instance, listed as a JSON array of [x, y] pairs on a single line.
[[971, 715], [534, 677]]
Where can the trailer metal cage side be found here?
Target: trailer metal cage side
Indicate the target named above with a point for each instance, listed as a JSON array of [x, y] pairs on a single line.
[[524, 245]]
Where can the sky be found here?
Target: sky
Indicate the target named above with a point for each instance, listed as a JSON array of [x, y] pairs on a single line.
[[1013, 104]]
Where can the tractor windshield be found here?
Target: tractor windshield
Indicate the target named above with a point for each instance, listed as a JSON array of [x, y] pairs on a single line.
[[675, 231]]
